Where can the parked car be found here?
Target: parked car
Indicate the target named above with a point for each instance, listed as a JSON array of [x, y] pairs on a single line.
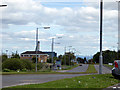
[[116, 68]]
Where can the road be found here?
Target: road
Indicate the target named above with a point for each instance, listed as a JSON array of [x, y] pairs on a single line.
[[105, 70], [13, 80], [82, 68]]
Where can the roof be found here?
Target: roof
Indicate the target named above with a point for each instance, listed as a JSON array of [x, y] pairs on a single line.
[[33, 52]]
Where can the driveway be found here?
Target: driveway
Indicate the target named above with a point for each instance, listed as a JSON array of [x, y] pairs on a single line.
[[105, 70], [82, 68], [13, 80]]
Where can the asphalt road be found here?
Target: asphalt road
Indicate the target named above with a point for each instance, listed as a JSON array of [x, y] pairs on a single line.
[[82, 68], [104, 69], [13, 80]]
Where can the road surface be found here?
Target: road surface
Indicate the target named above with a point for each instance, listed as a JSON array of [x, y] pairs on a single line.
[[82, 68], [13, 80], [104, 69]]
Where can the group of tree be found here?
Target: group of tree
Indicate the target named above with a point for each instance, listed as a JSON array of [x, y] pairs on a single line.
[[65, 59], [108, 56]]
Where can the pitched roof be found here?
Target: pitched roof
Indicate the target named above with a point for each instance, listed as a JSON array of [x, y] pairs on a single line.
[[33, 52]]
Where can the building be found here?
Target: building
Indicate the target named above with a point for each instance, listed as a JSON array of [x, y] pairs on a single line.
[[50, 54], [42, 57]]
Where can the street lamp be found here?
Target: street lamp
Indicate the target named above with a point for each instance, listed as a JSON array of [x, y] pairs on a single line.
[[101, 57], [37, 43], [53, 46], [69, 54], [3, 5]]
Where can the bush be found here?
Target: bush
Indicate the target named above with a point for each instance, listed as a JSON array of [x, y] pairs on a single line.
[[13, 64], [24, 70], [27, 64], [6, 70]]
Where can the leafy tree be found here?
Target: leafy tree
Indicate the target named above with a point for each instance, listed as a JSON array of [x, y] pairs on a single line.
[[3, 57], [34, 59], [80, 60], [15, 55], [108, 56], [13, 64]]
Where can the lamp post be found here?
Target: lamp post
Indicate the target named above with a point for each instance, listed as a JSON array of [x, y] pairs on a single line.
[[101, 57], [37, 43], [53, 47], [69, 54], [3, 5]]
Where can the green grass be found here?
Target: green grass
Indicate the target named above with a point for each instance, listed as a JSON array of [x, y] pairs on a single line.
[[91, 69], [69, 67], [88, 81]]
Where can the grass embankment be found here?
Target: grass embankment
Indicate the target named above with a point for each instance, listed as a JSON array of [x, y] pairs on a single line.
[[88, 81], [91, 69]]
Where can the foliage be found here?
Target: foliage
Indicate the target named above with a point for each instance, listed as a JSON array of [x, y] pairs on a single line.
[[27, 64], [80, 60], [15, 55], [6, 70], [34, 59], [108, 56], [15, 64], [3, 57]]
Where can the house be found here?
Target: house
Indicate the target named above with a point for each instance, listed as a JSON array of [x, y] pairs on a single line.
[[42, 57]]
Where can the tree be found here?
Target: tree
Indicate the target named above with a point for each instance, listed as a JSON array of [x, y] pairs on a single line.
[[3, 57], [80, 60], [15, 55], [108, 56]]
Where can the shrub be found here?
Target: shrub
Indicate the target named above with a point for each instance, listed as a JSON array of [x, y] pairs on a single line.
[[27, 64], [6, 70], [24, 70], [13, 64]]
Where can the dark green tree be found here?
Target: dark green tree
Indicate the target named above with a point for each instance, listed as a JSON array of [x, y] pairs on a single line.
[[108, 56]]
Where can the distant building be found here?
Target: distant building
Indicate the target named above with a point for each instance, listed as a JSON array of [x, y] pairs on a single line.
[[42, 57], [50, 54]]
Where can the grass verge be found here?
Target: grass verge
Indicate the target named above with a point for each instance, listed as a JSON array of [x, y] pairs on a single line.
[[88, 81], [91, 69], [68, 67]]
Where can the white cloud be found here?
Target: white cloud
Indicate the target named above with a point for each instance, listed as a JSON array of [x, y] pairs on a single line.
[[75, 21]]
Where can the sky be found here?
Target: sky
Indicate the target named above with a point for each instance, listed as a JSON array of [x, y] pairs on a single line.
[[76, 22]]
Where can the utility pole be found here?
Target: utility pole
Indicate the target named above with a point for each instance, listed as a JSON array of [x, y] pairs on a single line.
[[65, 55], [118, 56], [36, 46], [52, 48], [101, 57]]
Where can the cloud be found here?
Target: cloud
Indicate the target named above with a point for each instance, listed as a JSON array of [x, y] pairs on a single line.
[[80, 25]]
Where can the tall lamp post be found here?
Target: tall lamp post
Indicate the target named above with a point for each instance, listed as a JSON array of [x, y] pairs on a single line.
[[3, 5], [101, 57], [37, 43], [69, 54], [53, 47]]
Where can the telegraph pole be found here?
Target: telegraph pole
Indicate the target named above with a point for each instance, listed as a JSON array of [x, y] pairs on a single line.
[[101, 57], [52, 48], [65, 55], [36, 46]]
